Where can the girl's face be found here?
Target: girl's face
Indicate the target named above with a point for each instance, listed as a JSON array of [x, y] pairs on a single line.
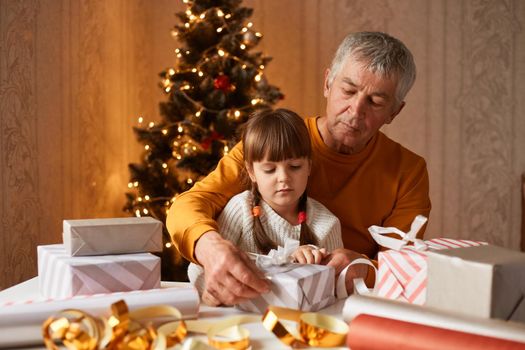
[[281, 184]]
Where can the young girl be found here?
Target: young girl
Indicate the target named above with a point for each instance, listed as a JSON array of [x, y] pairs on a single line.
[[277, 156]]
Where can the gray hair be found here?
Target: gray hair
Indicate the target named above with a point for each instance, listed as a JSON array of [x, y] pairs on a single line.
[[380, 53]]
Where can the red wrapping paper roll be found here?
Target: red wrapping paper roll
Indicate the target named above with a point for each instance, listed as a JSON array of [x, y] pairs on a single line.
[[372, 332]]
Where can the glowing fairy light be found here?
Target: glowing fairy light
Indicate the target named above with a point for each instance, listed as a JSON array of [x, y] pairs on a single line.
[[237, 114], [145, 211], [219, 29], [242, 46], [168, 245], [146, 197], [228, 16], [250, 24], [146, 147], [164, 131], [141, 119], [198, 114], [136, 184], [137, 213], [258, 77], [180, 129], [220, 13], [261, 66], [202, 16], [244, 30], [187, 25], [164, 165], [194, 70], [151, 124], [259, 35], [221, 52], [139, 199], [189, 181], [171, 71], [200, 74], [130, 184]]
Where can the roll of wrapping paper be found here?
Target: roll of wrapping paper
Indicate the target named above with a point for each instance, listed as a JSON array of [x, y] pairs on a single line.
[[358, 304], [21, 322], [377, 333]]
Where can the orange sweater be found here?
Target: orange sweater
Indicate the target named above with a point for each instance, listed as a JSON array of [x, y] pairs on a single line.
[[385, 184]]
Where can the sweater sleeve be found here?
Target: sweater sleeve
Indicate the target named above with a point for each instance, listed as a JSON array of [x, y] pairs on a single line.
[[193, 212], [412, 200]]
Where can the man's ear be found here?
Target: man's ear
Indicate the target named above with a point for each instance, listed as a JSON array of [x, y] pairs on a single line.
[[326, 85], [249, 170], [395, 113]]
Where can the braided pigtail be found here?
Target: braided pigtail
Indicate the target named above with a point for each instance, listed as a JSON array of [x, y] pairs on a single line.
[[306, 237], [263, 242]]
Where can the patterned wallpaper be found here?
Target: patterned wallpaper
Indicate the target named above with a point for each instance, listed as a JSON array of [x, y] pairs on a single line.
[[76, 74]]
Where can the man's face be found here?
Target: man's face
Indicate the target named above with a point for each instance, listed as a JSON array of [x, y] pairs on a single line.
[[358, 104]]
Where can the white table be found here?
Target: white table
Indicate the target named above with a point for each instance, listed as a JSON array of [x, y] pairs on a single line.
[[260, 338]]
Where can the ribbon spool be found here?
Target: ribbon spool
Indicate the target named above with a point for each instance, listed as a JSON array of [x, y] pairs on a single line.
[[314, 329]]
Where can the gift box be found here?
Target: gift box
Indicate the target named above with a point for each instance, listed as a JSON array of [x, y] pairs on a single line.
[[402, 270], [62, 276], [402, 274], [485, 281], [305, 287], [112, 236]]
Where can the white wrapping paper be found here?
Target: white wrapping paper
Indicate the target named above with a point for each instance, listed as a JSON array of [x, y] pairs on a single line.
[[358, 304], [112, 236], [21, 321], [62, 276]]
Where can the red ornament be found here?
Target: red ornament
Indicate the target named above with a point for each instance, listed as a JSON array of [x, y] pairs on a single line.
[[222, 82], [206, 142]]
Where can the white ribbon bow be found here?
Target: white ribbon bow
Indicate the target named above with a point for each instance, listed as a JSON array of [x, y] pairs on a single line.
[[377, 233]]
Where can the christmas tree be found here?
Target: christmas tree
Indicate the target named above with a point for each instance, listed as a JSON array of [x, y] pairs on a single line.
[[216, 82]]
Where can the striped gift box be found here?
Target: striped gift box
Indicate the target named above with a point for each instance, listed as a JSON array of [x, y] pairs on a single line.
[[402, 274], [305, 287], [63, 276]]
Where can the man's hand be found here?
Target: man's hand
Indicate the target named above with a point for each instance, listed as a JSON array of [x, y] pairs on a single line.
[[230, 276], [307, 254], [339, 259]]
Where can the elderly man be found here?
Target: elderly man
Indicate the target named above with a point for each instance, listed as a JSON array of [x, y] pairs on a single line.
[[360, 174]]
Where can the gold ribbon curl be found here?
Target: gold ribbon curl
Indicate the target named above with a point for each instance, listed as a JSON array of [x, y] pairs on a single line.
[[123, 330], [314, 329]]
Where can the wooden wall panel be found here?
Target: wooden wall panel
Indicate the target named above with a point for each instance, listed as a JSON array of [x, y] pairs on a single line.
[[76, 74]]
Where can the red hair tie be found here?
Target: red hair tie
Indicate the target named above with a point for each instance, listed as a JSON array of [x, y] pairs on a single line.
[[256, 211], [301, 217]]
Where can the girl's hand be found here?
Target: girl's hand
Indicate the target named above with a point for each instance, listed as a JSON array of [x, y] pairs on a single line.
[[309, 254]]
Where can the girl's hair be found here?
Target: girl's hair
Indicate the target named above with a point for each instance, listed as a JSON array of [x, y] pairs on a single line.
[[276, 135]]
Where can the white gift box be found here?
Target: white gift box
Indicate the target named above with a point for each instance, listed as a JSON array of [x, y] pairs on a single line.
[[485, 281], [112, 236], [62, 276], [305, 287]]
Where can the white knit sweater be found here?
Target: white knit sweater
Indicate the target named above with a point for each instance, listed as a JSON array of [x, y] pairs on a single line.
[[236, 224]]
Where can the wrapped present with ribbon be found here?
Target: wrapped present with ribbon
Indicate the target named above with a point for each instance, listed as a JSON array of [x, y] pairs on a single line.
[[403, 269], [306, 287], [62, 276]]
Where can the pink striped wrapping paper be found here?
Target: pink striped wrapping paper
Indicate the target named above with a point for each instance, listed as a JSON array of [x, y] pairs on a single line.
[[21, 320], [402, 274], [62, 276]]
